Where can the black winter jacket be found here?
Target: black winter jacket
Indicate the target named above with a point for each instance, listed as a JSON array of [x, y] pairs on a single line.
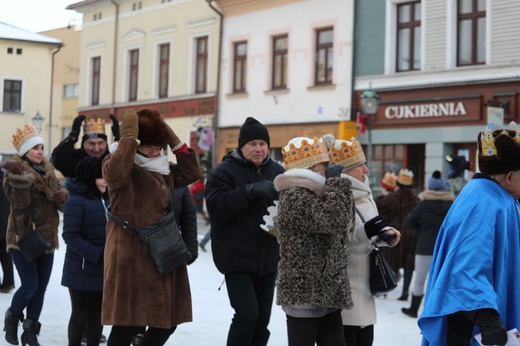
[[186, 218], [427, 217], [238, 242]]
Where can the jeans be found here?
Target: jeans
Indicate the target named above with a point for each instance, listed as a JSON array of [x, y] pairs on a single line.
[[322, 331], [86, 312], [251, 296], [34, 277]]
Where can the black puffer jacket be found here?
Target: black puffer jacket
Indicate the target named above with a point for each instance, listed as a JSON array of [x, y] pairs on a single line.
[[427, 217], [237, 241]]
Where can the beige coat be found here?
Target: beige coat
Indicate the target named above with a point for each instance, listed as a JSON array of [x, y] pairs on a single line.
[[134, 293]]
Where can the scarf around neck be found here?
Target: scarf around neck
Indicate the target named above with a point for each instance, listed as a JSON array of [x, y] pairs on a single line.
[[157, 164]]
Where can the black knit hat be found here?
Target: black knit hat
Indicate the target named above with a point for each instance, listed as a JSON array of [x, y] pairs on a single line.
[[88, 170], [251, 130]]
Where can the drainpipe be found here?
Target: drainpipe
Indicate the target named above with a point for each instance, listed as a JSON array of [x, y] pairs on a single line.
[[217, 93], [52, 87], [352, 76], [114, 63]]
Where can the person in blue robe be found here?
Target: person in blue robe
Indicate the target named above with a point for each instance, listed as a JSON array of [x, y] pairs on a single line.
[[476, 262]]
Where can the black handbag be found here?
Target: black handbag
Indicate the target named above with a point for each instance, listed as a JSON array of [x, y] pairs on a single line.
[[382, 276], [162, 241], [32, 245]]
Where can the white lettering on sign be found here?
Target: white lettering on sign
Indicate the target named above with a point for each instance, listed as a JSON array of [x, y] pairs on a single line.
[[425, 110]]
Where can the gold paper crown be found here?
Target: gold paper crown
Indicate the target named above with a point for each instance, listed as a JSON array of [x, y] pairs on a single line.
[[94, 126], [389, 181], [405, 177], [23, 135], [348, 154], [302, 152]]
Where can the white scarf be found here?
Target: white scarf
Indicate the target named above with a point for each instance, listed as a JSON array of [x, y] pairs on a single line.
[[157, 164]]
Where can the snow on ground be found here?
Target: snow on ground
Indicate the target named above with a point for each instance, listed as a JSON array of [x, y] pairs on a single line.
[[211, 311]]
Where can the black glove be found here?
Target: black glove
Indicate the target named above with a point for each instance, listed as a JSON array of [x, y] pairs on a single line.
[[493, 331], [192, 259], [333, 170], [115, 128], [386, 237], [76, 126], [101, 258], [261, 188], [375, 226]]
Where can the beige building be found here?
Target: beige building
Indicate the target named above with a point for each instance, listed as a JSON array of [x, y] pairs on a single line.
[[26, 62], [151, 54]]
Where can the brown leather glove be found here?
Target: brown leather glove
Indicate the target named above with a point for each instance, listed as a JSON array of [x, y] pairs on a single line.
[[130, 125], [174, 142], [13, 167], [59, 196]]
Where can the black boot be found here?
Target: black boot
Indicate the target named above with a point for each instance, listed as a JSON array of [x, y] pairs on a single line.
[[11, 327], [31, 329], [406, 284], [412, 311]]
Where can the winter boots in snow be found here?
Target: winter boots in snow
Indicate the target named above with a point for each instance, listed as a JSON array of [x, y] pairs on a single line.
[[407, 280], [31, 329], [11, 327], [412, 310]]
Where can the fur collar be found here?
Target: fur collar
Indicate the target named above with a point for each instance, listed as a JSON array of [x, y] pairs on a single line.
[[40, 182], [436, 195], [303, 178]]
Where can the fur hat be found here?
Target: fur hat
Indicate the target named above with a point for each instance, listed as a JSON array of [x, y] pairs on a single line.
[[436, 182], [252, 129], [25, 139], [499, 150], [152, 128], [303, 152], [389, 181], [93, 128], [458, 165], [88, 170]]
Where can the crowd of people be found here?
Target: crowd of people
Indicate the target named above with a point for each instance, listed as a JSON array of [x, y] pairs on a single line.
[[316, 255]]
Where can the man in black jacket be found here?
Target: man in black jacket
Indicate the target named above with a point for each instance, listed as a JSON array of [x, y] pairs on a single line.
[[94, 143], [238, 192]]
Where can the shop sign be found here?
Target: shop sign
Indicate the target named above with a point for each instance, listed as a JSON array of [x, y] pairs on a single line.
[[427, 110]]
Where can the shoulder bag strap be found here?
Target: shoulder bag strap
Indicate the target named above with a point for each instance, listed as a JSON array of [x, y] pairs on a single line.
[[360, 216]]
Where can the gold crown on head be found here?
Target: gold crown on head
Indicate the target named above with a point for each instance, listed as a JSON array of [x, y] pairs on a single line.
[[487, 139], [347, 153], [94, 126], [389, 181], [23, 135], [405, 177], [302, 152]]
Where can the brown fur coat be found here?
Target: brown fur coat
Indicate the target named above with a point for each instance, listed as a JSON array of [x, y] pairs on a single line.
[[30, 195], [314, 219], [134, 293]]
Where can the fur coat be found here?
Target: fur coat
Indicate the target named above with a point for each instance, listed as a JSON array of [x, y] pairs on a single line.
[[314, 218], [32, 206], [134, 293]]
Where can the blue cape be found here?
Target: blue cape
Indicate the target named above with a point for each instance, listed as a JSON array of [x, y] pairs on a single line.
[[476, 261]]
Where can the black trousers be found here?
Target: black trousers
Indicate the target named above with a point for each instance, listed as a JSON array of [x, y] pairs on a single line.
[[7, 266], [459, 330], [86, 312], [322, 331], [357, 336], [251, 296], [122, 335]]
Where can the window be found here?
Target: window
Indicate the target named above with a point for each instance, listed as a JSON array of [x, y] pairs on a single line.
[[201, 64], [324, 49], [137, 6], [96, 74], [471, 40], [70, 90], [164, 69], [280, 62], [97, 16], [240, 67], [18, 51], [12, 95], [133, 75], [409, 36], [10, 50]]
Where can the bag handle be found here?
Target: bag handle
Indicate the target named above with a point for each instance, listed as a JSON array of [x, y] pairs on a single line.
[[374, 245]]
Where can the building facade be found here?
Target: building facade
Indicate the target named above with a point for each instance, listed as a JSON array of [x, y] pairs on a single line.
[[287, 63], [26, 62], [443, 70], [151, 54]]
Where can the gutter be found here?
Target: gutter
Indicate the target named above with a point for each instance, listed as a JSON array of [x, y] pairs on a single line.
[[214, 150]]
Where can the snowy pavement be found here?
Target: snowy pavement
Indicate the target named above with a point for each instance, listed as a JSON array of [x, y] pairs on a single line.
[[211, 311]]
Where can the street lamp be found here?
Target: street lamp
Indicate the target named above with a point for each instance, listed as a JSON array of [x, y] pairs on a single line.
[[37, 121], [369, 104]]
